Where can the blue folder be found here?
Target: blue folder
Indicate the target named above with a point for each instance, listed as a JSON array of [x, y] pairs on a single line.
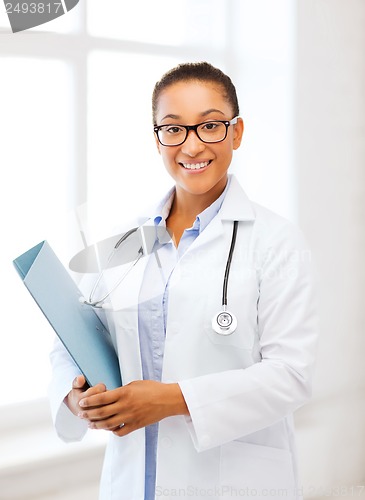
[[77, 325]]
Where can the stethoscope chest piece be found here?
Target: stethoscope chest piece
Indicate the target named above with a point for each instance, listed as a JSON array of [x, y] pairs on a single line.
[[224, 323]]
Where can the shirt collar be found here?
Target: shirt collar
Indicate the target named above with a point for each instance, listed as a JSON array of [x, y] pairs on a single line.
[[161, 213], [202, 219], [163, 209]]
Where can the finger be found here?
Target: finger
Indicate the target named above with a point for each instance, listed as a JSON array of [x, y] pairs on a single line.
[[109, 424], [79, 382], [99, 413], [123, 430], [92, 391], [94, 399]]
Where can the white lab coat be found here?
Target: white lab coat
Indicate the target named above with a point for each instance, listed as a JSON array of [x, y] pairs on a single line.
[[240, 389]]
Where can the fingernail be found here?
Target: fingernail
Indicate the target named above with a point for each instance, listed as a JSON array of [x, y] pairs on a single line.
[[82, 403]]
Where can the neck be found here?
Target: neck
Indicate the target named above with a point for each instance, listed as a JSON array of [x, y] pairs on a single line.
[[188, 205]]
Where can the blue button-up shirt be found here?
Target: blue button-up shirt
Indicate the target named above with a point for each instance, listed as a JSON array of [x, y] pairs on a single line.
[[152, 309]]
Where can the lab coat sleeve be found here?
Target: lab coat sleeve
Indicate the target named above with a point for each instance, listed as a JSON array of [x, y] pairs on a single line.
[[232, 404], [68, 426]]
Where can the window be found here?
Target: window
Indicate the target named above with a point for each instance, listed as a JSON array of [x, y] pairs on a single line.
[[160, 23], [121, 146], [37, 170]]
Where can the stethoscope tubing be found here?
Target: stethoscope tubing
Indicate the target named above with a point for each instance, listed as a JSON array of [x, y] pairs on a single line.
[[99, 303], [223, 323], [228, 265]]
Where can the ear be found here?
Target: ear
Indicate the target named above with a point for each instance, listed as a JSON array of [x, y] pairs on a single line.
[[238, 133]]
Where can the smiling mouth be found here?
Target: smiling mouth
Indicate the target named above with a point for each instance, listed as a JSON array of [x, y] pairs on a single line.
[[196, 166]]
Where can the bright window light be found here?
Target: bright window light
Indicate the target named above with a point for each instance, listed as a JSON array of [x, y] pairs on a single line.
[[36, 159], [186, 22], [121, 146], [152, 22]]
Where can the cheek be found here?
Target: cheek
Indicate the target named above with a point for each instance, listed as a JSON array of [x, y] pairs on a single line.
[[167, 160], [168, 157], [225, 152]]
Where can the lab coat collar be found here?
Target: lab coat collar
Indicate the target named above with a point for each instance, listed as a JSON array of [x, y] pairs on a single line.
[[236, 205]]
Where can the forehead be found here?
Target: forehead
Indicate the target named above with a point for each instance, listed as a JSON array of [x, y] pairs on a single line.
[[192, 99]]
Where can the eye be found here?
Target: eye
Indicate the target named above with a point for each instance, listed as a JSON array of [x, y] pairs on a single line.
[[173, 129], [211, 126]]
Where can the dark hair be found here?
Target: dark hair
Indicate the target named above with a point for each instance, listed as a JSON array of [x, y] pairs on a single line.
[[200, 71]]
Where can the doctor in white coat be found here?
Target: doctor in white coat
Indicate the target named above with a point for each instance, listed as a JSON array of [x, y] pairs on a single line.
[[200, 414]]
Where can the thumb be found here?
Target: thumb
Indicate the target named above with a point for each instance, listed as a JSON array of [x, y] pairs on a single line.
[[79, 382]]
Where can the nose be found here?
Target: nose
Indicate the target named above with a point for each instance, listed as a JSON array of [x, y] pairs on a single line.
[[193, 145]]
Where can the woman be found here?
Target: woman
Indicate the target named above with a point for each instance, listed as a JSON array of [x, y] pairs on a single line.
[[201, 413]]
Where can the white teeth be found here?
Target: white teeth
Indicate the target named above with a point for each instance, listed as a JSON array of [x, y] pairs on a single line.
[[195, 166]]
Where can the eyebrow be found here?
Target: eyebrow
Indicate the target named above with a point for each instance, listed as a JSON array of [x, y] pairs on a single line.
[[203, 114]]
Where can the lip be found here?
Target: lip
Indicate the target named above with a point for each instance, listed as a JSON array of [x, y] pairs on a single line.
[[195, 171]]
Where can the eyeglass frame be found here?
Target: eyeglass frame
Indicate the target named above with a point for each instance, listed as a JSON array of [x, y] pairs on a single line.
[[187, 128]]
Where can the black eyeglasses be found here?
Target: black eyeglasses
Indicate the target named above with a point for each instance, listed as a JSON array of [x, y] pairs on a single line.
[[209, 132]]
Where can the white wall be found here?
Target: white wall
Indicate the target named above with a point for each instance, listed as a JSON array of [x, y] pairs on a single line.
[[261, 63], [314, 138], [330, 173]]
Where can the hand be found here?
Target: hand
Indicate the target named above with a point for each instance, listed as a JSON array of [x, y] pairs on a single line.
[[80, 389], [133, 406]]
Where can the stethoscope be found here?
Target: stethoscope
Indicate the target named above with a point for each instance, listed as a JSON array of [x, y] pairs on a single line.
[[223, 323]]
